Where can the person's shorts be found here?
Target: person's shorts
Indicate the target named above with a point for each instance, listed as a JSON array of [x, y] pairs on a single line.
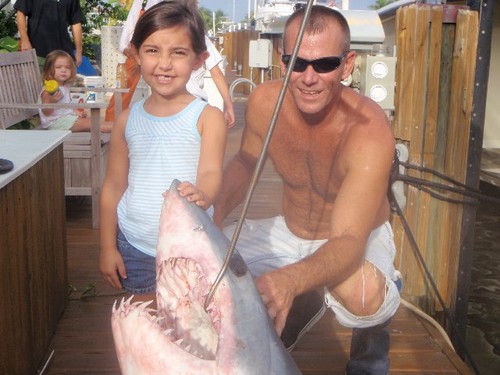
[[268, 244], [63, 123], [140, 267]]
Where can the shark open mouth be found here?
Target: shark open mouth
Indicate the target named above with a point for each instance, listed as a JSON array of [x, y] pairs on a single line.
[[180, 317], [181, 292]]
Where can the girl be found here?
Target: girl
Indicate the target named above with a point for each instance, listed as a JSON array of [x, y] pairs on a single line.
[[60, 67], [195, 85], [171, 134]]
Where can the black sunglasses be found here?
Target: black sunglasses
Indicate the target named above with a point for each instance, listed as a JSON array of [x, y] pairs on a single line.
[[322, 65]]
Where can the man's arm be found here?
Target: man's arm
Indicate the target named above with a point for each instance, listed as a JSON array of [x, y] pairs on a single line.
[[22, 28], [360, 206], [76, 29], [220, 83]]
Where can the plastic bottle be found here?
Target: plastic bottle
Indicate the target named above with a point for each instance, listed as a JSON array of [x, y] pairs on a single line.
[[121, 75]]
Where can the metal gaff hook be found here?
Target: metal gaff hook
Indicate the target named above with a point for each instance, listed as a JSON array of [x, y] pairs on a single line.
[[262, 158]]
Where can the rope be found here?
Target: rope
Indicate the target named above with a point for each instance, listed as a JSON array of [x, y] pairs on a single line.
[[420, 183], [428, 274]]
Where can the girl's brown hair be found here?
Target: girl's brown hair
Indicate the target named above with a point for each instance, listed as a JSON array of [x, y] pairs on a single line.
[[50, 60], [168, 14]]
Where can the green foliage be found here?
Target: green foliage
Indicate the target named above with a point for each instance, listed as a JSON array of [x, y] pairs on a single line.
[[8, 26], [380, 4], [26, 124], [99, 13], [8, 44]]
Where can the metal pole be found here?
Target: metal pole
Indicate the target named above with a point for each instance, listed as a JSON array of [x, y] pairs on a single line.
[[213, 23], [485, 9]]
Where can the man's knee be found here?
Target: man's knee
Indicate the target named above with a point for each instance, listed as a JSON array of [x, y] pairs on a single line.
[[364, 292]]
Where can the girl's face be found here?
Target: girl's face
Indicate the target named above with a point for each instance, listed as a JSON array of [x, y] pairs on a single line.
[[62, 69], [167, 59]]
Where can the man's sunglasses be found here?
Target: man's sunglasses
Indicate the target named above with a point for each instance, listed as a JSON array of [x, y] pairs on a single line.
[[322, 65]]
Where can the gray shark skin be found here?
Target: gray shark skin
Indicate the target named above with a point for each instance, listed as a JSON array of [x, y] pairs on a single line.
[[234, 336]]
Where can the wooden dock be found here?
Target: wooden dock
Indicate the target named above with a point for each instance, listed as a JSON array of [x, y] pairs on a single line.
[[83, 343]]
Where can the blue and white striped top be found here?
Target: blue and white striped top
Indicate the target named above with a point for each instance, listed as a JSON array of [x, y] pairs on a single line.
[[161, 149]]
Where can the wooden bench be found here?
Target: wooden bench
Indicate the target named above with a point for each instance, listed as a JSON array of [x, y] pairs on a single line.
[[85, 154]]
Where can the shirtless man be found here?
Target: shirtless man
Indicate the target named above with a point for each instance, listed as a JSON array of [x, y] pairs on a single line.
[[333, 149]]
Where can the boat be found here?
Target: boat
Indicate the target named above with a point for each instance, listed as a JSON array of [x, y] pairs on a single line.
[[366, 27]]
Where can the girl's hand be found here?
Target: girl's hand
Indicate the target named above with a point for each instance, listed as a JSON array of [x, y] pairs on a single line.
[[54, 98], [111, 265], [192, 194]]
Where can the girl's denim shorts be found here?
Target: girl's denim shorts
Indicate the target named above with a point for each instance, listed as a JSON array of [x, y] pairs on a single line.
[[140, 267]]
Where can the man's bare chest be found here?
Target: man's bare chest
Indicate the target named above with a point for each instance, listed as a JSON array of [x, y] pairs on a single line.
[[308, 160]]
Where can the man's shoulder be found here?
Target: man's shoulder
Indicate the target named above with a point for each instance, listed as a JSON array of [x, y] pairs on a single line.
[[267, 89], [21, 5]]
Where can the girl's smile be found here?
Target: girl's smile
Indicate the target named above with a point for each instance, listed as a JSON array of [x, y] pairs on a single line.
[[167, 59]]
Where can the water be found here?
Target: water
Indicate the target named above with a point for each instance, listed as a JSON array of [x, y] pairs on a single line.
[[483, 331]]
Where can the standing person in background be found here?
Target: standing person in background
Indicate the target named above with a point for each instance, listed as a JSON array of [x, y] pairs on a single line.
[[43, 25], [195, 84], [169, 135]]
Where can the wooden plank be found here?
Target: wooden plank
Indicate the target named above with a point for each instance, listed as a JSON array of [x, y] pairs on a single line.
[[404, 77], [83, 343], [411, 111]]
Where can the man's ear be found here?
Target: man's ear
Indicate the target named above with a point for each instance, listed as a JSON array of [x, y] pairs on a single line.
[[200, 59], [282, 66], [349, 62]]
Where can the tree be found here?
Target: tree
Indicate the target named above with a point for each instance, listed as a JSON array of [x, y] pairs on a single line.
[[206, 14], [99, 13], [380, 4]]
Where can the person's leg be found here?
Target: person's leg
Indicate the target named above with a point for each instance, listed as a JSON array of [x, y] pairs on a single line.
[[82, 124], [268, 244], [306, 311], [369, 351], [366, 302], [133, 76], [141, 271]]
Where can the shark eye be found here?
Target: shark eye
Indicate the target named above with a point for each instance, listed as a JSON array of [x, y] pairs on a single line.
[[199, 229]]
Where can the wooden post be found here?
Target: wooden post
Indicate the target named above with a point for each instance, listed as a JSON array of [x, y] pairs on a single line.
[[436, 56]]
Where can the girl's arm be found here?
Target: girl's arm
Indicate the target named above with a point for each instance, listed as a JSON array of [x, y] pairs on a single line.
[[220, 83], [213, 130], [115, 184]]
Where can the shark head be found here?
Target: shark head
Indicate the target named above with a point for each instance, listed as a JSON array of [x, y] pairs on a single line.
[[229, 334]]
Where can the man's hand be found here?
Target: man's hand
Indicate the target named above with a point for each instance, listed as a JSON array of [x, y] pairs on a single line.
[[277, 290], [25, 45]]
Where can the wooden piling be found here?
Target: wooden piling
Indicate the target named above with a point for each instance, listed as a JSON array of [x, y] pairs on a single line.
[[435, 73]]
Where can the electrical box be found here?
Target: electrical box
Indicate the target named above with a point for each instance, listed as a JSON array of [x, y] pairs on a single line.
[[379, 80], [260, 54]]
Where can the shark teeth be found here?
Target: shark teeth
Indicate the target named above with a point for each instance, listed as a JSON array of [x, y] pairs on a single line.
[[180, 315]]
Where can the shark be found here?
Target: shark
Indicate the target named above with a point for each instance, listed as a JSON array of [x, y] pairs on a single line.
[[230, 334]]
